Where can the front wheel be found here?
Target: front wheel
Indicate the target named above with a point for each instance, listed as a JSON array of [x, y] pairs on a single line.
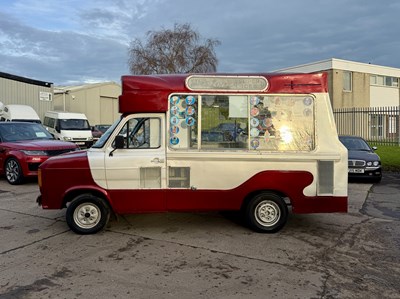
[[266, 212], [13, 172], [87, 214]]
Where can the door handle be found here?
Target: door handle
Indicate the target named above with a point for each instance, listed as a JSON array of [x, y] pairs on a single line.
[[157, 160]]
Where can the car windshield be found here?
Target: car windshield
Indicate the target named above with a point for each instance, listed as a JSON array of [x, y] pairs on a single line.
[[355, 144], [10, 132], [74, 124], [102, 128]]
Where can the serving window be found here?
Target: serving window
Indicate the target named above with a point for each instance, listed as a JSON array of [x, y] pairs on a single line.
[[247, 122]]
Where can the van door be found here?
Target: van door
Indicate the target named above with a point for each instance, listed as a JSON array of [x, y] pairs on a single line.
[[136, 174]]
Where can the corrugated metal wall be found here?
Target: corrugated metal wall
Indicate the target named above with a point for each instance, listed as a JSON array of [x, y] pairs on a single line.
[[98, 101], [15, 92]]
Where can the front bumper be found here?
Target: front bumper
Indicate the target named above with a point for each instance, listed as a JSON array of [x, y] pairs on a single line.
[[365, 172]]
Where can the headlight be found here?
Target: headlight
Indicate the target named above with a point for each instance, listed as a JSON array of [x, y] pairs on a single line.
[[369, 163], [90, 138], [376, 163], [35, 153], [67, 138]]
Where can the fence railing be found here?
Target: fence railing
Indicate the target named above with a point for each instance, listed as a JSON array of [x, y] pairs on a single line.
[[379, 125]]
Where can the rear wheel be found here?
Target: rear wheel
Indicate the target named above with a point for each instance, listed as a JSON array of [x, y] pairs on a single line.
[[13, 172], [266, 212], [87, 214]]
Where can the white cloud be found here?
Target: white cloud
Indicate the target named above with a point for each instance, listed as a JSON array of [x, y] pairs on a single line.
[[65, 41]]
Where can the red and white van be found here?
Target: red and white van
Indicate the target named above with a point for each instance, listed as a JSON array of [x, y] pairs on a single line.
[[252, 143]]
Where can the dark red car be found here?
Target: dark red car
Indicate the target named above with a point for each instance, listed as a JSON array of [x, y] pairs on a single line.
[[24, 146]]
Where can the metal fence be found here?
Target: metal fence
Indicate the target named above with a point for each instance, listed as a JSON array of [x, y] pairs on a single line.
[[378, 125]]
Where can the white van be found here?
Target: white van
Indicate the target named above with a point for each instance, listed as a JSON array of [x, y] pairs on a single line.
[[259, 144], [69, 126], [18, 113]]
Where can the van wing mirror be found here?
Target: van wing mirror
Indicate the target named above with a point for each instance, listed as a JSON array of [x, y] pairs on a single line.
[[57, 129], [119, 141]]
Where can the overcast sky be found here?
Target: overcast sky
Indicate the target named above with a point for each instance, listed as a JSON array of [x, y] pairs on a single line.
[[84, 41]]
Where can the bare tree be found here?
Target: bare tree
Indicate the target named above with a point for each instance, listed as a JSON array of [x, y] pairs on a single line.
[[173, 51]]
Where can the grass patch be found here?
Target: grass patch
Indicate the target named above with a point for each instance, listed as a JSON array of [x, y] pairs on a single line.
[[390, 157]]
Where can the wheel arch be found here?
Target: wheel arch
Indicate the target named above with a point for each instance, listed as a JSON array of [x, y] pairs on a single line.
[[254, 193], [21, 166], [73, 193]]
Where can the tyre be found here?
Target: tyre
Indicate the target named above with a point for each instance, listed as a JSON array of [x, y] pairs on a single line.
[[13, 172], [266, 212], [87, 214]]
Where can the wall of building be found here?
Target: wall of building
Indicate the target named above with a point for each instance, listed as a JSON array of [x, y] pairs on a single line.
[[17, 92], [382, 96], [363, 94], [99, 102], [359, 96]]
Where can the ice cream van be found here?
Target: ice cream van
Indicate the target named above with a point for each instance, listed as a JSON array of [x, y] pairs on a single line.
[[261, 144]]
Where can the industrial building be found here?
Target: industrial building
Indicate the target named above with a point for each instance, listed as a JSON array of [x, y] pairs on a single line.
[[24, 91], [98, 101], [354, 84]]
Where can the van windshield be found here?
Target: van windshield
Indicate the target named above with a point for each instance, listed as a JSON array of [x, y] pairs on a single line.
[[100, 143], [74, 124]]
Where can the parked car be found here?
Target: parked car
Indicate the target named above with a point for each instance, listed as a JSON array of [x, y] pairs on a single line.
[[364, 163], [24, 146], [223, 132], [98, 131]]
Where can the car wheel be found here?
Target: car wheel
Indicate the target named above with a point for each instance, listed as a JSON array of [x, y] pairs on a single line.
[[378, 180], [87, 214], [266, 212], [13, 172]]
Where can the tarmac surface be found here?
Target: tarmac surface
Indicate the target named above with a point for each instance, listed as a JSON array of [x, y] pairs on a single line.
[[203, 255]]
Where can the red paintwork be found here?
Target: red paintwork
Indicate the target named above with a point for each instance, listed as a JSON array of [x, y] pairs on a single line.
[[13, 149], [142, 94], [70, 173], [64, 174]]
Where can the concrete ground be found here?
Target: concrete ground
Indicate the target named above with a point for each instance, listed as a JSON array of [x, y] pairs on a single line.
[[205, 255]]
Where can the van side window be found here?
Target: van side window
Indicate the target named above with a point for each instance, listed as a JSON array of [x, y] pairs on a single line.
[[183, 121], [48, 121], [224, 121], [282, 123], [142, 133], [247, 121]]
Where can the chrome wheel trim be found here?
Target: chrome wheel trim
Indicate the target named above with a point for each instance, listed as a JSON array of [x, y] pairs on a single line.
[[87, 215], [267, 213], [12, 171]]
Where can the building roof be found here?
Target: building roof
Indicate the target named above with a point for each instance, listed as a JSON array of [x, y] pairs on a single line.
[[71, 88], [25, 80], [346, 65]]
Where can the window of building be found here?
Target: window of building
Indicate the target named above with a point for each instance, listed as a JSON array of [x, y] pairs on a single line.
[[384, 81], [376, 126], [347, 81]]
